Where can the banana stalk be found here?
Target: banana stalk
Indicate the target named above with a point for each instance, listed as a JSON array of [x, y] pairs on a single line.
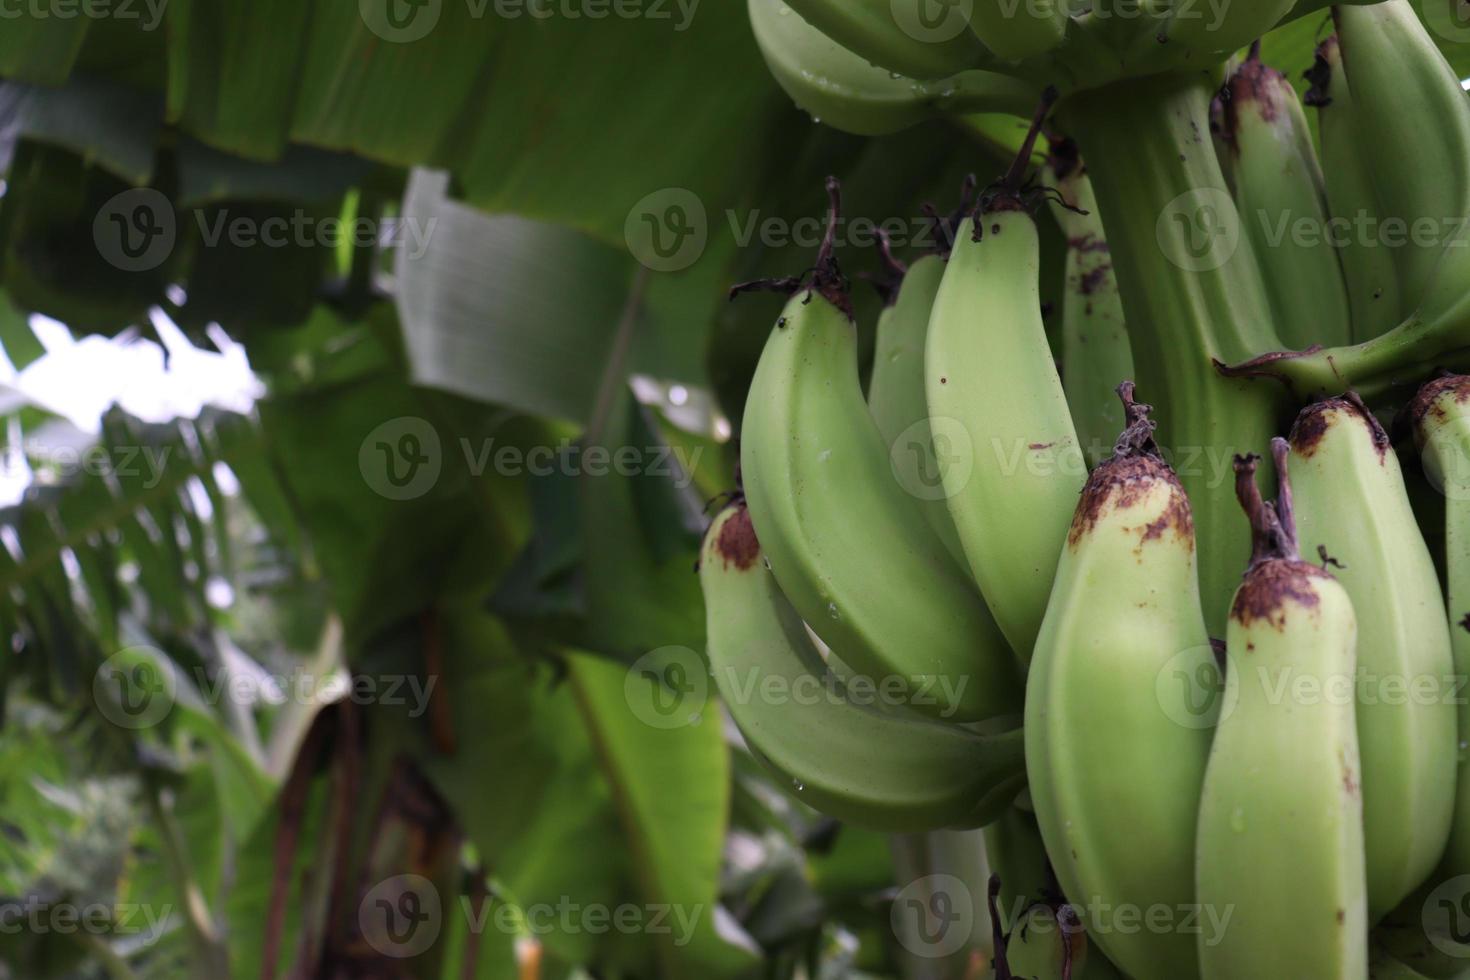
[[1192, 294]]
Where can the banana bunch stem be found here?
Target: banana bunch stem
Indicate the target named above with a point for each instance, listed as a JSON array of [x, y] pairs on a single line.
[[1192, 293]]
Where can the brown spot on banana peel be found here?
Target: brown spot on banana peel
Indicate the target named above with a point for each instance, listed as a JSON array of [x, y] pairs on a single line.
[[1253, 83], [1315, 420], [1263, 595], [1128, 477], [1429, 398], [737, 544], [1319, 76]]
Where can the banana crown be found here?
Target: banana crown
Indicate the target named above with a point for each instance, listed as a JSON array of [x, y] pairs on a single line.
[[1126, 485], [1276, 578]]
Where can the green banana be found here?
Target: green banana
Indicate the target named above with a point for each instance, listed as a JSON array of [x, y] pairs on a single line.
[[1047, 944], [1014, 30], [1195, 32], [1441, 418], [896, 393], [1104, 722], [1280, 832], [839, 755], [1367, 265], [1018, 858], [1192, 295], [1279, 193], [846, 91], [894, 35], [1096, 357], [1352, 506], [1406, 95], [849, 546], [1015, 468]]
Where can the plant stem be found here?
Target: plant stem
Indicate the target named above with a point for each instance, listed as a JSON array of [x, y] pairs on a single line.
[[1192, 294]]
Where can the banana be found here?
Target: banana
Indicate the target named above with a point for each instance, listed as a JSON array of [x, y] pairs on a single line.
[[1196, 33], [896, 35], [844, 90], [1104, 721], [1367, 265], [1015, 466], [896, 392], [850, 548], [1406, 96], [1096, 357], [1441, 417], [1280, 833], [1018, 859], [839, 755], [1279, 194], [1351, 503], [1014, 30], [1192, 293], [1047, 944]]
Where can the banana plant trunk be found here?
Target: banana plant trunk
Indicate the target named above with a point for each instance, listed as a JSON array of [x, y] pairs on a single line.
[[1192, 295]]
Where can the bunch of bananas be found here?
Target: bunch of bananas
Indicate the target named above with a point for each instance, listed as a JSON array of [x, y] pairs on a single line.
[[1208, 734]]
